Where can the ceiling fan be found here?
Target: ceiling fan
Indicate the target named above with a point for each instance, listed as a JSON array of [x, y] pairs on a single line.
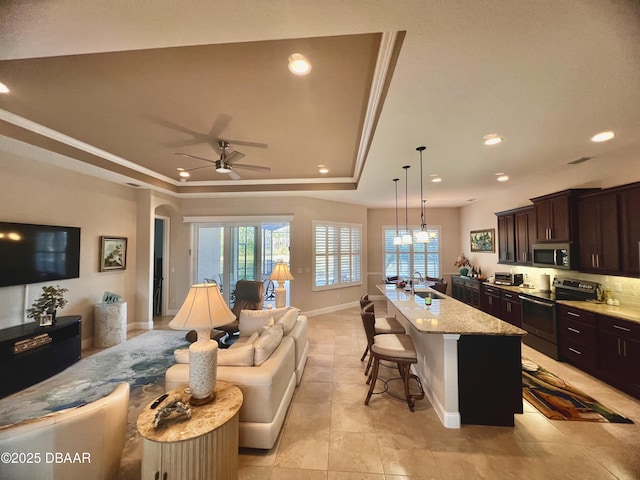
[[225, 164]]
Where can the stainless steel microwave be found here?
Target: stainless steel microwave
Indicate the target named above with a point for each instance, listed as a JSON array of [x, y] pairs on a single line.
[[552, 255]]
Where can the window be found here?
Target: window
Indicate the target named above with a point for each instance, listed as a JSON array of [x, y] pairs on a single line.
[[404, 260], [337, 254]]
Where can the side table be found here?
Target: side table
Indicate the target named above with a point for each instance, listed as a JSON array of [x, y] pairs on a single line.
[[110, 325], [203, 447]]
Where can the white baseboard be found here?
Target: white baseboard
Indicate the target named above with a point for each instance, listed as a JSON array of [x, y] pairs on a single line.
[[333, 308]]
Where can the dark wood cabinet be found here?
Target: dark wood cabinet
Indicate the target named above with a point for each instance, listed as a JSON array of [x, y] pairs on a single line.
[[466, 290], [629, 214], [30, 353], [490, 300], [619, 353], [556, 219], [510, 308], [599, 233], [516, 234], [506, 239], [578, 338]]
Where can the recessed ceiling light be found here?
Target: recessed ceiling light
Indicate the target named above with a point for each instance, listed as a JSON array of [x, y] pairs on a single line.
[[436, 179], [492, 139], [4, 88], [183, 173], [503, 178], [603, 136], [323, 169], [298, 64]]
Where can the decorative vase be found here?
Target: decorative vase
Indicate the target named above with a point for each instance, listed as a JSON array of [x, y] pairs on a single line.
[[464, 271]]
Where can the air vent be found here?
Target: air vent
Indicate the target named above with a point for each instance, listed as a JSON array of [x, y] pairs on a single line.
[[579, 160]]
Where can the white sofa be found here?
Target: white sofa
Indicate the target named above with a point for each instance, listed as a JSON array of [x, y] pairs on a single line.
[[268, 388], [93, 436]]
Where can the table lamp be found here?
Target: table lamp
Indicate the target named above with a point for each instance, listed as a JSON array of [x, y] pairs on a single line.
[[203, 309], [281, 274]]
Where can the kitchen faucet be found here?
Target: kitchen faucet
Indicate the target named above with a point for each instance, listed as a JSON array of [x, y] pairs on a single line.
[[413, 285]]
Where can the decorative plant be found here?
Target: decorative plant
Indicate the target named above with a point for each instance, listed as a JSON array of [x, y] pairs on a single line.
[[462, 261], [51, 299]]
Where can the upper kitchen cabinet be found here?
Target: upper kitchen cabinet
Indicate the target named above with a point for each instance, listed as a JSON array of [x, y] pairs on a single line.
[[555, 215], [629, 214], [516, 234], [598, 232]]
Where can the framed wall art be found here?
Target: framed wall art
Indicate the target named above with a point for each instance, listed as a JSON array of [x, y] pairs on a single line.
[[483, 240], [113, 253]]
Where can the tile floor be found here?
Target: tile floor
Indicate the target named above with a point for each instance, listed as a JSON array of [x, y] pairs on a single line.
[[330, 434]]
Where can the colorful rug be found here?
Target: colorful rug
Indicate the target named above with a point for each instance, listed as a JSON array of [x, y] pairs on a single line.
[[559, 400]]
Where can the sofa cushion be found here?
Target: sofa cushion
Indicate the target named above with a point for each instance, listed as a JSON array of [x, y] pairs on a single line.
[[288, 320], [253, 320], [237, 357], [266, 344]]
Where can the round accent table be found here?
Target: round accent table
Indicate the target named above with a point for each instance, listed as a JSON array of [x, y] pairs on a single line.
[[203, 447]]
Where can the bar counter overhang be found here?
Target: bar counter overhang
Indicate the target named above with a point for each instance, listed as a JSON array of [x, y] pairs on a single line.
[[469, 362]]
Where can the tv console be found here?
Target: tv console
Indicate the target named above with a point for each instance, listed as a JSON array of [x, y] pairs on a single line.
[[30, 353]]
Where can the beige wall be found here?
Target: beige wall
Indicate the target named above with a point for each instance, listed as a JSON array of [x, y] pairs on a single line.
[[34, 192]]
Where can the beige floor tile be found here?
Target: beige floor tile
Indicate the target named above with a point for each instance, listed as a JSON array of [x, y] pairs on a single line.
[[352, 393], [303, 449], [297, 474], [251, 472], [349, 375], [313, 392], [352, 418], [402, 456], [355, 476], [355, 452], [318, 374], [309, 416]]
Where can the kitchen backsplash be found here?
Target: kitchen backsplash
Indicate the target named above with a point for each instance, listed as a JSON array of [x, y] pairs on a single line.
[[624, 289]]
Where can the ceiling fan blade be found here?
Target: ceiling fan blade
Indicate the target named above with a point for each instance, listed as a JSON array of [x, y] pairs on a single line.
[[255, 168], [234, 175], [233, 157], [193, 156], [248, 144], [197, 168]]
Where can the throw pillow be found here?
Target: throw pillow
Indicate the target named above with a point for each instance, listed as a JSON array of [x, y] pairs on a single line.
[[237, 357], [267, 344], [253, 320], [288, 320]]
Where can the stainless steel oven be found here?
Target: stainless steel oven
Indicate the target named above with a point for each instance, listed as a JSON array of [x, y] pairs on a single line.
[[539, 320]]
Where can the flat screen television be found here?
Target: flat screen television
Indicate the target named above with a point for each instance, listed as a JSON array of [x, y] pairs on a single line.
[[38, 253]]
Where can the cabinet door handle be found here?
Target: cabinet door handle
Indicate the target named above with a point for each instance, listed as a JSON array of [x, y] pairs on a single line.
[[573, 314], [575, 351], [509, 307], [618, 346], [164, 477], [624, 329], [573, 330], [157, 476]]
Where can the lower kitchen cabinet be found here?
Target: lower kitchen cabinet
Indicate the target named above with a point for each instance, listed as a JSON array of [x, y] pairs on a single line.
[[466, 289], [490, 300], [578, 338], [619, 353], [510, 308]]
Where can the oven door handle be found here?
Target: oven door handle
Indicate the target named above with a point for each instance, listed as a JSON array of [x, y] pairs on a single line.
[[537, 302]]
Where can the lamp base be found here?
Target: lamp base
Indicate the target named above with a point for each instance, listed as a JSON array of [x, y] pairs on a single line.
[[203, 360], [281, 297]]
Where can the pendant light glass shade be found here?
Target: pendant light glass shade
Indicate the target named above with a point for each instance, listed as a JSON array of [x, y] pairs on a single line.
[[407, 239], [397, 240]]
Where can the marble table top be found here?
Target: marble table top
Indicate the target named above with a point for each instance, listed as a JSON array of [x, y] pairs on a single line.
[[447, 315], [204, 418]]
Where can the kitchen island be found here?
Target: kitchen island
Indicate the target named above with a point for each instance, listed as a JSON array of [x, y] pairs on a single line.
[[469, 362]]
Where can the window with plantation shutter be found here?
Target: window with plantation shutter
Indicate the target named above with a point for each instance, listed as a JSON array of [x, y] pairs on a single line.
[[404, 260], [337, 253]]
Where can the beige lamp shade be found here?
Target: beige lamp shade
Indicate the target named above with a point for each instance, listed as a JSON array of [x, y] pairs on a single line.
[[204, 308], [281, 273]]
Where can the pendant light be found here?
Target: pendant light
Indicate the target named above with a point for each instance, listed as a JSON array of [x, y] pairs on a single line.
[[422, 236], [397, 240], [406, 238]]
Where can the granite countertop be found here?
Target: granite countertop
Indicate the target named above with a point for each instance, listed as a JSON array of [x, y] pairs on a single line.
[[447, 315], [618, 311]]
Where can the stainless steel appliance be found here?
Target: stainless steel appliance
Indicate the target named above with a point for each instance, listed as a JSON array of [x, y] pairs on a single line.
[[539, 317], [505, 278], [552, 255]]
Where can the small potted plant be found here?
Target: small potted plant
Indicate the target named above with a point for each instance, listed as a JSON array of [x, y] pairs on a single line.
[[44, 308]]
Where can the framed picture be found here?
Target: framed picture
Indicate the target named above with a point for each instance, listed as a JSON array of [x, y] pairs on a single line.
[[483, 240], [113, 253]]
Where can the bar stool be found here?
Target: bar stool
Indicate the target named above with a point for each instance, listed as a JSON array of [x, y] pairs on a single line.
[[390, 347], [382, 325]]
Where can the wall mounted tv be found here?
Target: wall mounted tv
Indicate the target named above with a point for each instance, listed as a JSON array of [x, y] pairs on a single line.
[[38, 253]]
